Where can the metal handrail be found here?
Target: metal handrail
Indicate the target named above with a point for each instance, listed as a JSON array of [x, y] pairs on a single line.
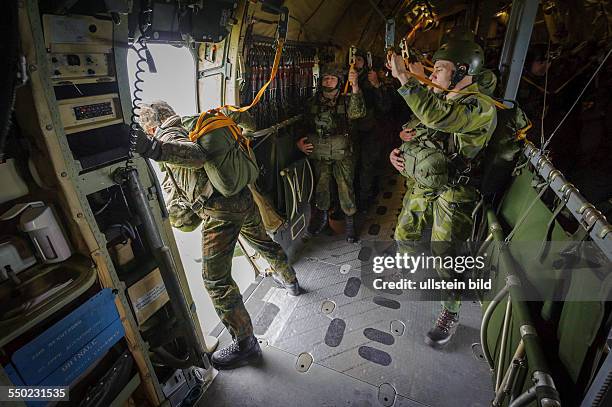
[[585, 213], [546, 392]]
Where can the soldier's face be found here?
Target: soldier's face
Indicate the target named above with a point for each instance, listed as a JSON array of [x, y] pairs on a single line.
[[151, 131], [442, 74], [329, 81], [359, 62]]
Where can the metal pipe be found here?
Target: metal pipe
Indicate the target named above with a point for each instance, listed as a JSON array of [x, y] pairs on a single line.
[[168, 272], [485, 244], [276, 127], [484, 326], [510, 376], [525, 398], [504, 339], [585, 213], [533, 349], [285, 173], [311, 180]]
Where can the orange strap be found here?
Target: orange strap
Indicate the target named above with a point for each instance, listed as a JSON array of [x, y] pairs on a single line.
[[217, 121], [346, 85], [520, 135], [461, 92], [258, 96]]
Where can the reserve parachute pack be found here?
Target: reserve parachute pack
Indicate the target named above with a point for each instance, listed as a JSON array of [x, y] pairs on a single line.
[[428, 166], [431, 168], [230, 167]]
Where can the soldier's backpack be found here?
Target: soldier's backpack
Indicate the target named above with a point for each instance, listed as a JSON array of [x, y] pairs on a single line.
[[229, 169], [230, 163], [503, 149]]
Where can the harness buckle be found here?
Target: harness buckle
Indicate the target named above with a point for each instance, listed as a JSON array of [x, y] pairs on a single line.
[[197, 206]]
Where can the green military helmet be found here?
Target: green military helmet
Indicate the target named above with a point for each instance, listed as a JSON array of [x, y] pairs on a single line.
[[332, 69], [463, 52]]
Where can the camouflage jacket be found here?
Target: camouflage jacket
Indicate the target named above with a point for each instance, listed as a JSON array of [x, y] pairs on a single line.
[[487, 83], [186, 162], [332, 117], [469, 119]]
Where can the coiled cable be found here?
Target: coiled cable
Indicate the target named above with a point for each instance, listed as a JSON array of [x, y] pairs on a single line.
[[136, 96], [143, 58]]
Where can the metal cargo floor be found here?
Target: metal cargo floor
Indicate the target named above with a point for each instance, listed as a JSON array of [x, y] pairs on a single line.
[[363, 351]]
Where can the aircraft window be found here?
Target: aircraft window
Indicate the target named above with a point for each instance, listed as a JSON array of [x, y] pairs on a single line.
[[174, 81]]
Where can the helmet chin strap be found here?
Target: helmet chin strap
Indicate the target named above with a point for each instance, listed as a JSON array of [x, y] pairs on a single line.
[[459, 73]]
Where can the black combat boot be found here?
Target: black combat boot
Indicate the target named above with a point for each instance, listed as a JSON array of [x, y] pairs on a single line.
[[351, 236], [292, 288], [317, 229], [443, 330], [238, 353]]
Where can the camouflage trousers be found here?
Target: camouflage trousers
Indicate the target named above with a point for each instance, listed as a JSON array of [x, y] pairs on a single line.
[[343, 172], [448, 216], [219, 237]]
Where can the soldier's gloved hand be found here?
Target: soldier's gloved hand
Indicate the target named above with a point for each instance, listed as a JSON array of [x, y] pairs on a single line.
[[304, 146], [407, 134], [147, 146], [373, 79], [353, 78], [396, 160]]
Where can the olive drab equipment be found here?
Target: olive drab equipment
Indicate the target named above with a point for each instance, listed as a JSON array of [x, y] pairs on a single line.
[[331, 141], [431, 167], [230, 163], [179, 205], [462, 53], [503, 150], [229, 168], [351, 58], [428, 166]]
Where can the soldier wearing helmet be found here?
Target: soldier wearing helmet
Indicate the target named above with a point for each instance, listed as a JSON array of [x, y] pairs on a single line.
[[441, 158], [329, 146]]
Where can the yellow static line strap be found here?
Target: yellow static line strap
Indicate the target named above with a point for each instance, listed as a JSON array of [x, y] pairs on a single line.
[[277, 57], [520, 135], [460, 92], [218, 121], [346, 85]]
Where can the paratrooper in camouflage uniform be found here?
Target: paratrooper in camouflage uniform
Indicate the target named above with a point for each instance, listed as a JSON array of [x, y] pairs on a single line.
[[223, 220], [329, 144], [460, 126]]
